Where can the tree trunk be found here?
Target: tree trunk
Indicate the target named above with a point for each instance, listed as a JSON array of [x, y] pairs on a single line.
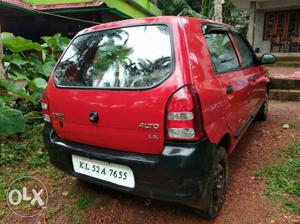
[[2, 71], [218, 10]]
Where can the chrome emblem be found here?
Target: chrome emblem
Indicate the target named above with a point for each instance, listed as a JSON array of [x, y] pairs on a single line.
[[148, 126]]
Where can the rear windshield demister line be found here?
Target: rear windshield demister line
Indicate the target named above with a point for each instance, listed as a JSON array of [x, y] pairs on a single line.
[[137, 57]]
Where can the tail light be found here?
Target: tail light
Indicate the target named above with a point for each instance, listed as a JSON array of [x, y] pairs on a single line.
[[45, 107], [183, 117]]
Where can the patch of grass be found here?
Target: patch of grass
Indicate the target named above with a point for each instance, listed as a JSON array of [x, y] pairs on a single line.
[[53, 173], [38, 160], [78, 221], [22, 155], [69, 210], [283, 180], [83, 202], [16, 148], [293, 207], [3, 188], [50, 213], [2, 212]]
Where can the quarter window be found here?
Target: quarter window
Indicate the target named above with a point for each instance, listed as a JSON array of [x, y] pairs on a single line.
[[222, 52]]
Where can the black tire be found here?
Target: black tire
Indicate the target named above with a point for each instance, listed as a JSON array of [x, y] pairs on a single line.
[[219, 181], [262, 114]]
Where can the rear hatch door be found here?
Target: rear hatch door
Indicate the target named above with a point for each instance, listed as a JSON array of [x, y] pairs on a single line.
[[111, 87]]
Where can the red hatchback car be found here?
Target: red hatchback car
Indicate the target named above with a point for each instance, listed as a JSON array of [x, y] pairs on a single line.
[[154, 107]]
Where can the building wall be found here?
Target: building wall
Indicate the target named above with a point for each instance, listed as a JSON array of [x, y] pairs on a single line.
[[267, 4], [277, 4], [262, 6], [264, 46]]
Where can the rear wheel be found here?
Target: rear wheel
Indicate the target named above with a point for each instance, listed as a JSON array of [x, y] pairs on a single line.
[[219, 181], [262, 114]]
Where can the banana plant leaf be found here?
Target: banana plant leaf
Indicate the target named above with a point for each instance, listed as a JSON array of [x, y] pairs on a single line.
[[56, 42], [12, 88], [11, 121], [36, 88], [19, 44]]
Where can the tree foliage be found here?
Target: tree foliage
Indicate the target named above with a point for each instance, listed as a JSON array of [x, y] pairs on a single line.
[[205, 9], [174, 7]]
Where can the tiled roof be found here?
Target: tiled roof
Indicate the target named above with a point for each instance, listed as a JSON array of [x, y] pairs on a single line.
[[17, 3], [45, 7], [94, 3]]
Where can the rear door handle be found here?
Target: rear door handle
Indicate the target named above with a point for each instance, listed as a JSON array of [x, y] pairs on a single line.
[[229, 90], [253, 78]]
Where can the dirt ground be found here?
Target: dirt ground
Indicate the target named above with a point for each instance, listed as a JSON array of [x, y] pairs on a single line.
[[245, 201]]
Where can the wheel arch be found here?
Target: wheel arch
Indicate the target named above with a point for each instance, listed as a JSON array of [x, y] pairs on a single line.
[[225, 142]]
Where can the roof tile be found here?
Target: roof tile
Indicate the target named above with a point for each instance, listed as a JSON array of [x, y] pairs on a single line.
[[94, 3]]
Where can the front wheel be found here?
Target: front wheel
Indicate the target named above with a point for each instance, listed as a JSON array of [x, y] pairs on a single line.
[[219, 181], [262, 114]]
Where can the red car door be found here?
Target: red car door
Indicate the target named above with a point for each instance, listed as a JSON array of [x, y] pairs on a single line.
[[233, 83], [257, 76]]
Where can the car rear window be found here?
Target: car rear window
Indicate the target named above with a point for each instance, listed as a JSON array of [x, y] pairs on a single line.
[[124, 58]]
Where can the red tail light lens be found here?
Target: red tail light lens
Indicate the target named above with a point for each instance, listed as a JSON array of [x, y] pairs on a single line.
[[183, 116], [45, 107]]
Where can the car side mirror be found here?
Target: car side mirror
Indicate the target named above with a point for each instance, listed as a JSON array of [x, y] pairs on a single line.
[[268, 59]]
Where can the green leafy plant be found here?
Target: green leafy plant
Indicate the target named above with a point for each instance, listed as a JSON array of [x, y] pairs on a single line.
[[19, 44], [28, 65], [174, 7], [207, 9], [56, 43], [11, 121], [9, 89]]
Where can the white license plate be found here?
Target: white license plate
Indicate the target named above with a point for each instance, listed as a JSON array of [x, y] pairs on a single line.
[[114, 173]]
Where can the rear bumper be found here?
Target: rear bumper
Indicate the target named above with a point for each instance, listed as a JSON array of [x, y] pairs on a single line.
[[181, 174]]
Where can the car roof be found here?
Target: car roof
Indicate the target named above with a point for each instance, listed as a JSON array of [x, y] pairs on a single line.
[[148, 20]]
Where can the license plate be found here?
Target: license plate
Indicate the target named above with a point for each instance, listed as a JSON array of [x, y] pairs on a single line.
[[114, 173]]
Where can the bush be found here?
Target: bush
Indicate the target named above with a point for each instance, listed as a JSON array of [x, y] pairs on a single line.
[[28, 66]]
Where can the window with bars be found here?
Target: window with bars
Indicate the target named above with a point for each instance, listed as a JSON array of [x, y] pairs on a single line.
[[284, 24]]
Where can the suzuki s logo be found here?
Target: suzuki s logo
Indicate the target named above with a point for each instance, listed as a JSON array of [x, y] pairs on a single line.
[[148, 126], [94, 117]]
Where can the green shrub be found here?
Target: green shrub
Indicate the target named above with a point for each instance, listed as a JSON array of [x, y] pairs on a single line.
[[31, 64]]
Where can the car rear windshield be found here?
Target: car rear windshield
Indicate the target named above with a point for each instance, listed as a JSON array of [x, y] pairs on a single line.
[[124, 58]]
